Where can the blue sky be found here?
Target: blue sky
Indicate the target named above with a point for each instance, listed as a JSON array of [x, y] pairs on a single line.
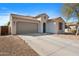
[[32, 9]]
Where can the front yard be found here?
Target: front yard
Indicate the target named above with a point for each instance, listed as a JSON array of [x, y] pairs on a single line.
[[14, 46], [44, 44]]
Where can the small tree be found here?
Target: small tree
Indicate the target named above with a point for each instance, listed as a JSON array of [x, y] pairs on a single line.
[[8, 23], [71, 10]]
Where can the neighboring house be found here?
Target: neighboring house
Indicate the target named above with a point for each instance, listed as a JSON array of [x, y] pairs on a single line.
[[71, 27], [39, 24]]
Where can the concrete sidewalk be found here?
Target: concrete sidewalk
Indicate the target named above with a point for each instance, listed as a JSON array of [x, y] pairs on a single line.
[[48, 45]]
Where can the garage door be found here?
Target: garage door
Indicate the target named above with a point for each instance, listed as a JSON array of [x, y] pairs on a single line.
[[26, 27]]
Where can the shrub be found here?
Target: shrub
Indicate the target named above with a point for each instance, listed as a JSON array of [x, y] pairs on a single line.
[[73, 31]]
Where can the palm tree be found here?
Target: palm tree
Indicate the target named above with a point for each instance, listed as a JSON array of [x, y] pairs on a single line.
[[71, 11]]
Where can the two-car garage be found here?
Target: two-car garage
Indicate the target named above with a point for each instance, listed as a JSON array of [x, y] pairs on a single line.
[[26, 27], [23, 24]]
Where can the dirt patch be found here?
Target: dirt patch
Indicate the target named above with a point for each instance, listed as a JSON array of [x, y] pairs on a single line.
[[14, 46]]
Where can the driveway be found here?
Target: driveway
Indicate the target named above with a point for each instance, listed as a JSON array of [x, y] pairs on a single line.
[[49, 45]]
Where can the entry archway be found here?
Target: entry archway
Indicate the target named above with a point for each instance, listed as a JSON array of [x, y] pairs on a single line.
[[44, 27]]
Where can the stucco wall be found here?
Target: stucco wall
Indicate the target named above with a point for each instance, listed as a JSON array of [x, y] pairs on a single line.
[[12, 26], [63, 28], [40, 25], [15, 20], [51, 27], [39, 18]]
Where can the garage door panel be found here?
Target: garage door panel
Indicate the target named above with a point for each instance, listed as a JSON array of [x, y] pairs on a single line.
[[26, 27]]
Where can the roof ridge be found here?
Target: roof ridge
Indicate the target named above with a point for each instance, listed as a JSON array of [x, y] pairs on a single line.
[[21, 15]]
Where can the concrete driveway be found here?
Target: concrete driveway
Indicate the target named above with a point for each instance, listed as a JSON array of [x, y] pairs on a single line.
[[49, 45]]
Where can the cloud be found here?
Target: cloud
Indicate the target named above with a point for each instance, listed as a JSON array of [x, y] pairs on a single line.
[[5, 17], [3, 8], [4, 11], [3, 20]]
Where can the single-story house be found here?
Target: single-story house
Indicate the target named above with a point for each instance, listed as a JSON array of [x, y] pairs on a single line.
[[20, 24]]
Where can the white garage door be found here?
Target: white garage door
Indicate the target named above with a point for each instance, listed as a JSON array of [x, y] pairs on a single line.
[[26, 27]]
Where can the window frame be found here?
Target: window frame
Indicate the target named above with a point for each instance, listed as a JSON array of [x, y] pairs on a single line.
[[60, 25]]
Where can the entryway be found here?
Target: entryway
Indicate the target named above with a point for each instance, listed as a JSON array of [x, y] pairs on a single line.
[[44, 27]]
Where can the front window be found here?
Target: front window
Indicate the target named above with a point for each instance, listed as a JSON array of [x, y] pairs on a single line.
[[60, 26]]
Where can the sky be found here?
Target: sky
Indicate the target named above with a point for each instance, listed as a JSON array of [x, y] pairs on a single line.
[[53, 10]]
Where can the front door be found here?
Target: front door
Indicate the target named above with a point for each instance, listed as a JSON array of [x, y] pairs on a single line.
[[44, 27]]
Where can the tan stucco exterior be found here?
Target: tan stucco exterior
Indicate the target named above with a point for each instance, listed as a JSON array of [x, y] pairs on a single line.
[[14, 20], [29, 27], [39, 20], [55, 24]]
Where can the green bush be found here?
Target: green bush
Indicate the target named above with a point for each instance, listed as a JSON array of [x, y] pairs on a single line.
[[73, 31]]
